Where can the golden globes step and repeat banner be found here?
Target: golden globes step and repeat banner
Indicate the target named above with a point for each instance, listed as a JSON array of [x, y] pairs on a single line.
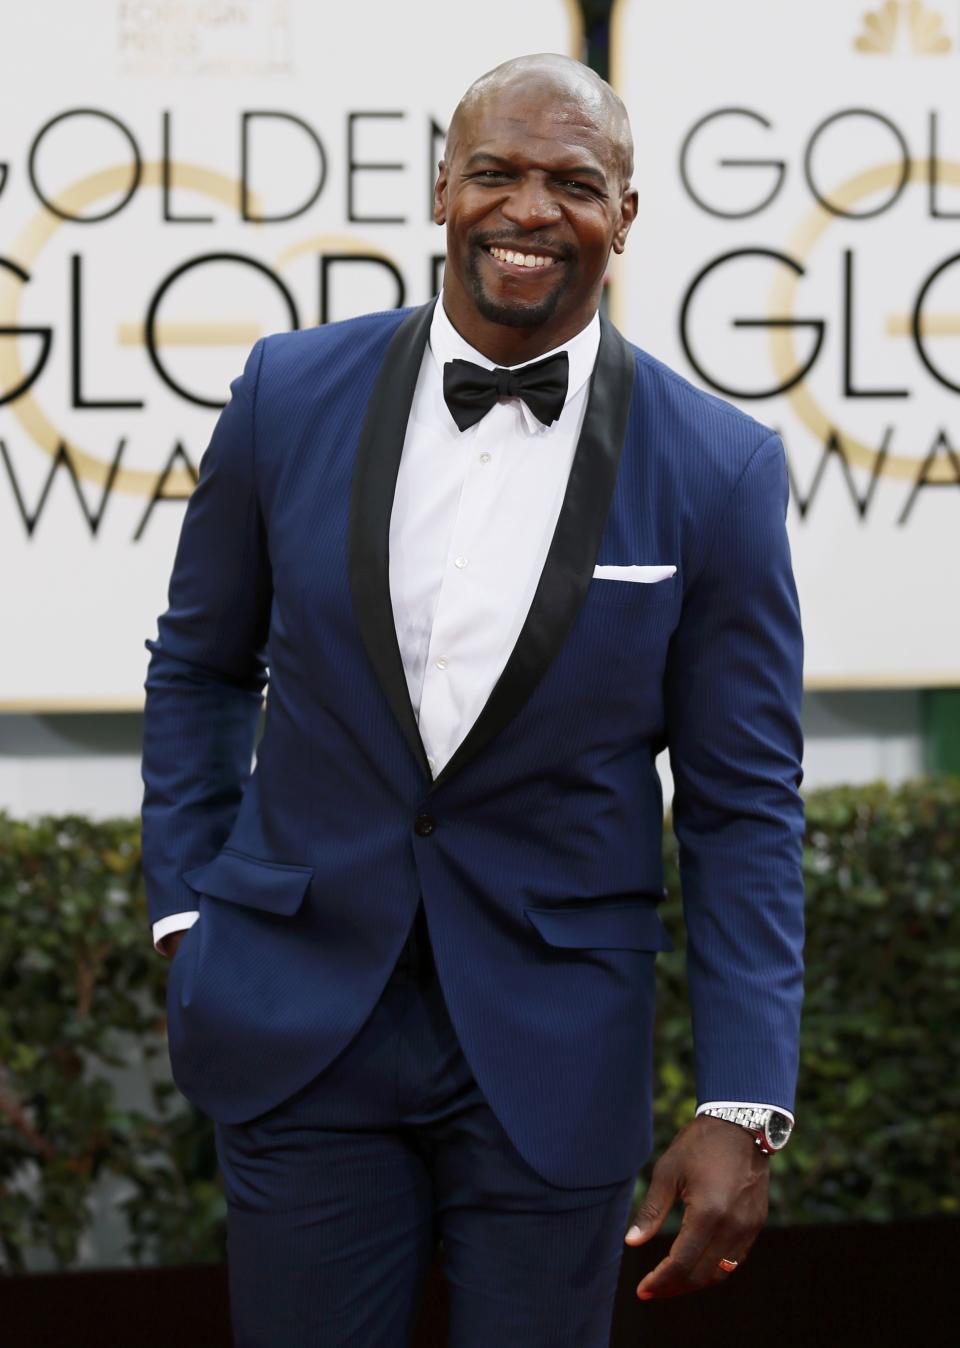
[[177, 178], [797, 251]]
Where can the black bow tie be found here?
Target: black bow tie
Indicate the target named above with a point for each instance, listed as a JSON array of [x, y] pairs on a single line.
[[470, 390]]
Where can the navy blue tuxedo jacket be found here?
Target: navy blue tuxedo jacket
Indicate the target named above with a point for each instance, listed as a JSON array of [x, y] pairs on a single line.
[[537, 849]]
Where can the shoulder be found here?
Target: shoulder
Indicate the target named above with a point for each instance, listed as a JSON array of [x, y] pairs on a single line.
[[353, 339], [709, 464], [325, 372], [701, 436]]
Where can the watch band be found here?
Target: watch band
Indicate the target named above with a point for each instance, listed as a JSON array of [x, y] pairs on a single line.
[[757, 1120], [744, 1104]]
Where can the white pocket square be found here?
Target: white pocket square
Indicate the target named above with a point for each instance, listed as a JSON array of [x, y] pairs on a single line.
[[642, 573]]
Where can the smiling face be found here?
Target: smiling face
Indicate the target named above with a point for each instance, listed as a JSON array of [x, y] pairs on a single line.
[[534, 191]]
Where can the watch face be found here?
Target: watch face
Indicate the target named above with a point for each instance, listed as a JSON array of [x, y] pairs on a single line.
[[778, 1128]]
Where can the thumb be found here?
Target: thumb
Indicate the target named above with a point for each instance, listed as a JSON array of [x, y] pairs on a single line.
[[648, 1217]]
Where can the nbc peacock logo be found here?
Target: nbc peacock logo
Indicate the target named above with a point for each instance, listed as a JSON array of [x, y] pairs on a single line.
[[899, 25]]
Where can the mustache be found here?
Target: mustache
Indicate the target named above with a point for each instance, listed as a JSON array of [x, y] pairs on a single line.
[[557, 248]]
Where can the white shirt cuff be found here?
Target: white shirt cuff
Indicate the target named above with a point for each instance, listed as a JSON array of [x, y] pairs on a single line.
[[742, 1104], [175, 922]]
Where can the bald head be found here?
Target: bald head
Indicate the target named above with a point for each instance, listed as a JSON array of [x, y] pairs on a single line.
[[573, 89], [534, 191]]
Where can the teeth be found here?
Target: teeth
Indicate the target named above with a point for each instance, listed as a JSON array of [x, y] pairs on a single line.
[[522, 259]]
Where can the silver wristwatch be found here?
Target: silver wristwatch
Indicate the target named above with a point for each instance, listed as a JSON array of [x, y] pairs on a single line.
[[771, 1127]]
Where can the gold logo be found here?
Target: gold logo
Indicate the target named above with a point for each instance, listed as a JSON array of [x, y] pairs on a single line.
[[924, 27]]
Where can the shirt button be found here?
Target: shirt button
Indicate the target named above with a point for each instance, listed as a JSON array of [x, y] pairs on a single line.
[[461, 562], [484, 457], [442, 662]]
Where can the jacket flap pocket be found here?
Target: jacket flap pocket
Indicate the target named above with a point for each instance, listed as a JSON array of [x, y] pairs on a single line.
[[272, 886], [630, 926]]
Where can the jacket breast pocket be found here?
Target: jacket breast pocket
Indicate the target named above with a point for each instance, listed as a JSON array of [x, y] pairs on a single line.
[[623, 925], [633, 593], [269, 886]]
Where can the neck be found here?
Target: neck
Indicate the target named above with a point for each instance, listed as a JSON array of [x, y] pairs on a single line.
[[506, 345]]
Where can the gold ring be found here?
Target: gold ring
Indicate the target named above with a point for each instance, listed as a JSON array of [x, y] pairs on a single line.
[[728, 1265]]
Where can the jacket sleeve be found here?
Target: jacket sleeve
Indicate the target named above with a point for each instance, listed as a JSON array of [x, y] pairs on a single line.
[[734, 688], [208, 667]]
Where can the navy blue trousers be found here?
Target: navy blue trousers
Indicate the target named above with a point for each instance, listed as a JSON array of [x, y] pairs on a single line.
[[338, 1196]]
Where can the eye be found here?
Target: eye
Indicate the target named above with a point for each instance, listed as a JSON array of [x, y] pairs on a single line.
[[579, 186]]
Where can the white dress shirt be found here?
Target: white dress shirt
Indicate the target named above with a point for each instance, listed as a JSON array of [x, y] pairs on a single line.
[[473, 517]]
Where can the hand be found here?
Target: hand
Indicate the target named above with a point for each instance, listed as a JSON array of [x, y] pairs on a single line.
[[169, 944], [722, 1177]]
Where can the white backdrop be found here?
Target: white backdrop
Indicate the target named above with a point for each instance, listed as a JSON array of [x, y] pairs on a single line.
[[133, 324], [798, 169]]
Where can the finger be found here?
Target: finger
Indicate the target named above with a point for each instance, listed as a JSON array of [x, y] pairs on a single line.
[[649, 1214], [675, 1274], [733, 1242]]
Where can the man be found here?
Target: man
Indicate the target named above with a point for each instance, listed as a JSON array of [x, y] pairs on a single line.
[[418, 992]]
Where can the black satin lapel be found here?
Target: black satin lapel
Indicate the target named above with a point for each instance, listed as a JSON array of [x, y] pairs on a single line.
[[371, 503], [573, 551]]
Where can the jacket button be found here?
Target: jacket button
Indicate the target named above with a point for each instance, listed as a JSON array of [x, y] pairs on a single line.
[[425, 825]]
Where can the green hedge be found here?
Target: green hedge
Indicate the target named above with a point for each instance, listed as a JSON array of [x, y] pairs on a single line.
[[878, 1099], [82, 1007]]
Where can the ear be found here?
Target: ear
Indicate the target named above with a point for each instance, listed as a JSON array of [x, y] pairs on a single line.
[[629, 204], [440, 195]]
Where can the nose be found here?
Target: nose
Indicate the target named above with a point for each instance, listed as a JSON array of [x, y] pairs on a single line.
[[531, 204]]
